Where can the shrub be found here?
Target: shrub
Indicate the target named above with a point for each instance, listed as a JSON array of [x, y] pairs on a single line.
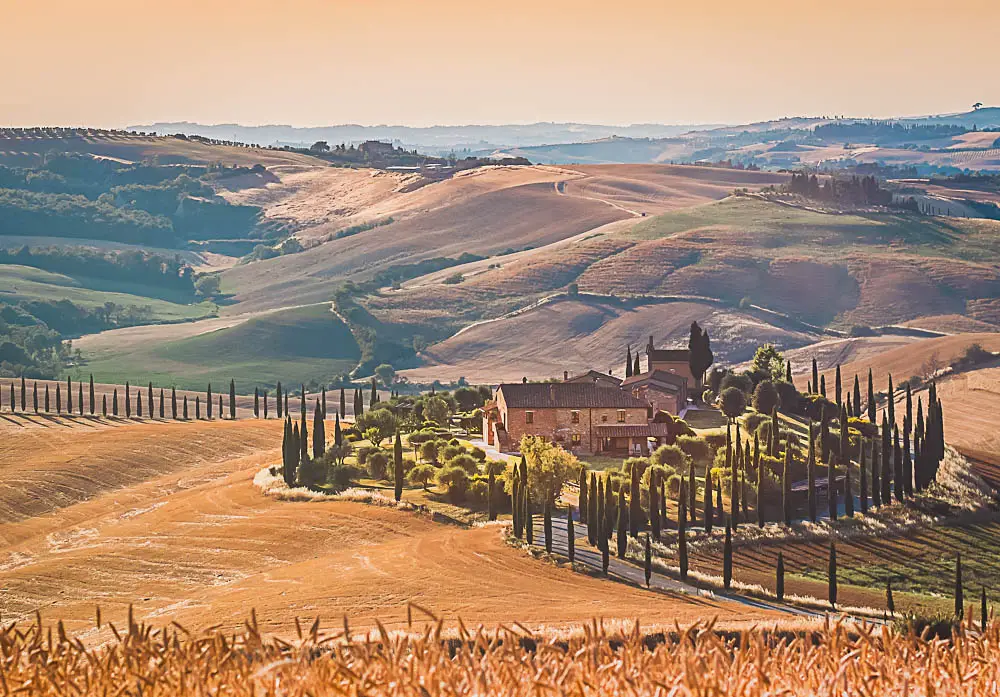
[[422, 474], [694, 447], [752, 421], [478, 453], [862, 426], [429, 451], [362, 455], [465, 462], [662, 473], [714, 441], [743, 383], [641, 462], [341, 476], [455, 480], [450, 452], [377, 464], [673, 485], [477, 491], [734, 402], [670, 456], [857, 330], [789, 398], [765, 397]]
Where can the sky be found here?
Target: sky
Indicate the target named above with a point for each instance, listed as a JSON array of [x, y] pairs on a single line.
[[113, 63]]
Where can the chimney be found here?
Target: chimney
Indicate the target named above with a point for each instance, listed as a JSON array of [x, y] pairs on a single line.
[[649, 347], [524, 381], [565, 375]]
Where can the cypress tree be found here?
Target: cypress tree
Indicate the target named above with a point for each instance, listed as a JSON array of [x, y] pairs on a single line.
[[92, 395], [907, 468], [104, 403], [69, 395], [824, 435], [786, 487], [815, 376], [256, 403], [161, 403], [79, 400], [220, 407], [605, 552], [908, 414], [24, 395], [343, 402], [197, 408], [570, 535], [891, 406], [547, 524], [491, 483], [128, 400], [863, 474], [838, 386], [529, 524], [648, 566], [811, 475], [718, 501], [875, 470], [185, 415], [374, 398], [285, 435], [288, 413], [727, 559], [654, 506], [779, 584], [114, 402], [13, 404], [889, 602], [208, 402], [709, 503], [138, 404], [46, 399], [760, 481], [583, 495], [34, 396], [788, 373], [265, 404], [295, 452], [691, 493], [845, 435], [848, 493], [303, 434], [319, 435], [636, 370], [872, 416], [323, 401], [397, 451], [682, 556], [277, 397], [959, 596], [361, 405], [634, 504], [58, 399], [610, 509], [623, 524], [595, 526], [515, 506], [232, 400], [983, 613], [822, 385], [734, 492], [743, 484], [886, 461], [173, 403], [832, 577], [831, 488], [628, 362], [897, 465], [857, 396], [775, 435], [918, 431]]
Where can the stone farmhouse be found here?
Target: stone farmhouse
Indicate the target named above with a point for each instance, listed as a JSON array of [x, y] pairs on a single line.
[[594, 412]]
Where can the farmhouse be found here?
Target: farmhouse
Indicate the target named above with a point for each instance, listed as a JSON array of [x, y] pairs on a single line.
[[594, 377], [676, 361], [663, 390], [583, 417]]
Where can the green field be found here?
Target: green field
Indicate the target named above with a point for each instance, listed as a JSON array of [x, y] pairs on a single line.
[[27, 283], [293, 346]]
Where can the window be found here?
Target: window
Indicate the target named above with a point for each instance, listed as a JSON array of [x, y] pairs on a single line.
[[529, 417], [576, 439], [621, 416], [575, 417]]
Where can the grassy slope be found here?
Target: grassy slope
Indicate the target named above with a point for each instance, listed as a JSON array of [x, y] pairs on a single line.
[[28, 283], [293, 346]]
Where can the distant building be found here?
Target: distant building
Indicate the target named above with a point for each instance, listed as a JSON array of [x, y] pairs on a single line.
[[676, 361], [664, 391], [594, 377]]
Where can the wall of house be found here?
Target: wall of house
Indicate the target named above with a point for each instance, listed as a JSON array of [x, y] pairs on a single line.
[[681, 368], [557, 424], [662, 400]]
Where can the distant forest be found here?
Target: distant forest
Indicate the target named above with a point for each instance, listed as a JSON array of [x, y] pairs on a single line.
[[859, 191], [84, 197], [884, 131]]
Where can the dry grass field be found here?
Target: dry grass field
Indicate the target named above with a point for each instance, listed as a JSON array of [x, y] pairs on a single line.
[[166, 517]]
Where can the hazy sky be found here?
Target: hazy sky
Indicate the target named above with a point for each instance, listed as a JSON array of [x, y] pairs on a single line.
[[423, 62]]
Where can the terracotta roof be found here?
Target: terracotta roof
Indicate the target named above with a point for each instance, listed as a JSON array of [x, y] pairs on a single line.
[[664, 377], [592, 375], [567, 395], [633, 430], [668, 355]]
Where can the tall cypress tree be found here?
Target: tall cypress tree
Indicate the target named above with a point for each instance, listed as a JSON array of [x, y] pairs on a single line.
[[138, 404], [374, 397], [343, 402], [857, 396], [848, 493], [596, 515], [79, 401], [515, 505], [908, 414], [654, 506], [221, 416], [491, 485], [727, 559], [24, 395], [610, 510], [34, 396], [232, 400], [104, 403], [264, 396], [69, 395], [886, 461], [92, 395], [397, 452], [208, 402], [46, 398], [876, 469], [734, 467], [775, 433], [323, 401], [811, 474], [529, 523], [890, 604], [788, 373], [303, 432], [636, 370], [256, 403], [863, 473], [185, 414], [831, 488], [872, 406], [838, 387], [682, 556], [58, 398], [648, 563], [173, 403], [691, 493], [832, 577], [287, 412], [161, 403], [628, 362], [907, 468], [128, 400], [822, 385], [338, 434], [815, 377], [779, 585], [13, 403], [197, 408], [709, 503], [759, 467], [319, 433], [786, 487], [114, 402], [623, 524], [897, 466], [891, 405], [583, 495], [743, 482], [277, 397]]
